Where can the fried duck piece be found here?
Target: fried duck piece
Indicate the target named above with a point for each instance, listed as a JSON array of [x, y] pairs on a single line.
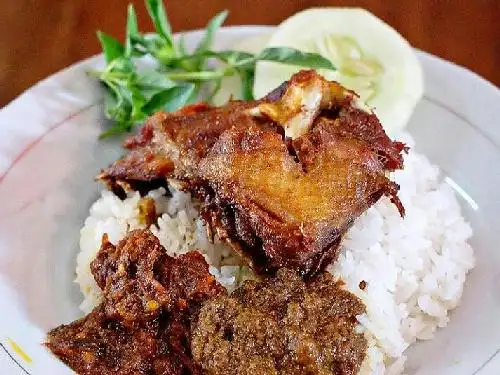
[[281, 326], [143, 324], [281, 179]]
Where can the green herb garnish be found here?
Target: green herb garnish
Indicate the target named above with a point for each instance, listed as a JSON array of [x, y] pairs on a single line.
[[180, 76]]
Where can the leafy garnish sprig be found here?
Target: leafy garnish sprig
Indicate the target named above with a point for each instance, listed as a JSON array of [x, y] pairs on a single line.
[[132, 94]]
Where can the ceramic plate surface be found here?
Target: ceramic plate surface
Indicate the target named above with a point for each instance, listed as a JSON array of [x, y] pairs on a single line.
[[50, 153]]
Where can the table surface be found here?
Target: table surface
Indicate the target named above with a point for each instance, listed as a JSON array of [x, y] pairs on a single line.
[[38, 38]]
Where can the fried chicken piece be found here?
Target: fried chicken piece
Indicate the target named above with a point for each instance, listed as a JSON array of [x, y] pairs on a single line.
[[171, 145], [281, 326], [143, 324], [281, 179]]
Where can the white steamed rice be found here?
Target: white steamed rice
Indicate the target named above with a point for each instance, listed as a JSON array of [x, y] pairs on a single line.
[[414, 268]]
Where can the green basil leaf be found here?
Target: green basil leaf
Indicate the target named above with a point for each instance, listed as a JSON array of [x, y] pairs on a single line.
[[180, 61], [205, 75], [146, 43], [235, 59], [121, 65], [181, 76], [291, 56], [138, 101], [170, 99], [238, 59], [153, 79], [122, 85], [116, 109], [131, 31], [152, 82], [233, 56], [111, 47], [110, 104], [206, 42], [247, 80], [156, 10]]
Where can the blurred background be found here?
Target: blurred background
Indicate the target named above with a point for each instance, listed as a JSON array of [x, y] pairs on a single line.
[[39, 37]]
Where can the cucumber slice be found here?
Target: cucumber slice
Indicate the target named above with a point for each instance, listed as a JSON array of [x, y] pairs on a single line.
[[371, 58]]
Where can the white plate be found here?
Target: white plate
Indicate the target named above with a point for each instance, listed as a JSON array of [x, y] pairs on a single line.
[[49, 154]]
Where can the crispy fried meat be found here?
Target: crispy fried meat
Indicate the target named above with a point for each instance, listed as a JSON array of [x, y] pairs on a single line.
[[281, 179], [143, 325]]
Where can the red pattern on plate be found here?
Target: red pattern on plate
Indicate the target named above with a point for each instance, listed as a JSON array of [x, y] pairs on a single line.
[[37, 140]]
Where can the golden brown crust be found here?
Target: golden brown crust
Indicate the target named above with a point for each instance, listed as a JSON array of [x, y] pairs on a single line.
[[280, 202]]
